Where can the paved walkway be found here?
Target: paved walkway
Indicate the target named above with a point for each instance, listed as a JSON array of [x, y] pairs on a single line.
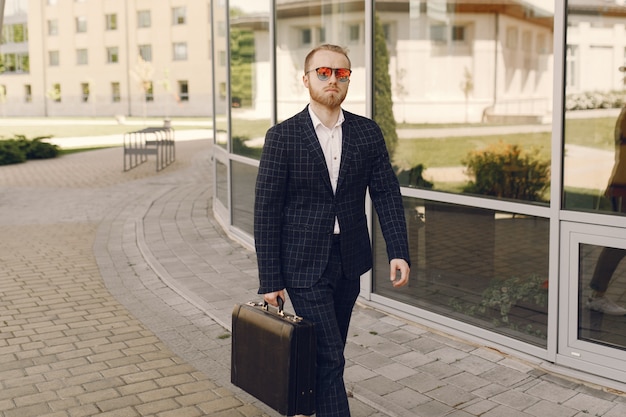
[[115, 297]]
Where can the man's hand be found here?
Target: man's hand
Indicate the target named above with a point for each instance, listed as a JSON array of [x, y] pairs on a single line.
[[272, 297], [402, 266]]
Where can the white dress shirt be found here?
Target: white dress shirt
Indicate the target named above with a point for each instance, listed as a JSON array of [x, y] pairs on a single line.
[[330, 140]]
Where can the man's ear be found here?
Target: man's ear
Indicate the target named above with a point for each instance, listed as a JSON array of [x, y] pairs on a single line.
[[305, 81]]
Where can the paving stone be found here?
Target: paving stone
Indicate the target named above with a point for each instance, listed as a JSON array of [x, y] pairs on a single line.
[[116, 289]]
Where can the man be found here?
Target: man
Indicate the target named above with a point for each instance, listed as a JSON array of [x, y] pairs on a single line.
[[310, 226]]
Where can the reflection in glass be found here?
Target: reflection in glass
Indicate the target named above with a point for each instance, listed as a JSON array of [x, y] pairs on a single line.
[[221, 181], [220, 98], [466, 81], [250, 75], [595, 123], [602, 295], [244, 178], [486, 268], [301, 26]]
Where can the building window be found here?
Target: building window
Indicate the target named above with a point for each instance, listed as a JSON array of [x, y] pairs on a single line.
[[17, 33], [145, 52], [54, 93], [183, 90], [221, 58], [527, 43], [15, 62], [541, 47], [353, 33], [438, 33], [149, 91], [116, 95], [3, 93], [180, 51], [28, 93], [305, 37], [111, 21], [321, 32], [51, 2], [143, 19], [511, 38], [53, 27], [571, 64], [81, 24], [112, 55], [84, 88], [458, 33], [81, 57], [53, 58], [179, 15]]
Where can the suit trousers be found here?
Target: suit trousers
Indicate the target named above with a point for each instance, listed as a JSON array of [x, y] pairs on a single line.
[[328, 304]]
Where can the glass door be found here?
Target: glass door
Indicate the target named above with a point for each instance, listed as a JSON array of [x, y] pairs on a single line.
[[593, 312]]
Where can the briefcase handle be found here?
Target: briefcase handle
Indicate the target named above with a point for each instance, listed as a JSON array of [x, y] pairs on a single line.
[[281, 309], [281, 306]]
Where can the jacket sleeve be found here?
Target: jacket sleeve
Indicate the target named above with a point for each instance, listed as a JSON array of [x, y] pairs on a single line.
[[385, 194], [270, 190]]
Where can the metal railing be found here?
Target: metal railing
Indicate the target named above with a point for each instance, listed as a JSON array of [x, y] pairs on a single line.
[[157, 141]]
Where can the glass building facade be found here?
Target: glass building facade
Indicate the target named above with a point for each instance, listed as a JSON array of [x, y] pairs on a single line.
[[505, 125]]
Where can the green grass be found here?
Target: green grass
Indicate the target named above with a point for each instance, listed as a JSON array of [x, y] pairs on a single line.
[[250, 128], [446, 152], [595, 133]]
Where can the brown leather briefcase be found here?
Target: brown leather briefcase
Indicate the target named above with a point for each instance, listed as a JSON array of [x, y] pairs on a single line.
[[273, 357]]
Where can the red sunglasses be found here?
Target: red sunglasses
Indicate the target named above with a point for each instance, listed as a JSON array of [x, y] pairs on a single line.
[[324, 73]]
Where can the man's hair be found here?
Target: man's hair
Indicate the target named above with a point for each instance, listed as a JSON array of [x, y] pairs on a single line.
[[326, 47]]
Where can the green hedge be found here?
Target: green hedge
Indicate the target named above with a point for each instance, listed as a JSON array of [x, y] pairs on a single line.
[[20, 148]]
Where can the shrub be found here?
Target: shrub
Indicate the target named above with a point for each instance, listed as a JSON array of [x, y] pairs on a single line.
[[21, 148], [505, 171], [10, 152]]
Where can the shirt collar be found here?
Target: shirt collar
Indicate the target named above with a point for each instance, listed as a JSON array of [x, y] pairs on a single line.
[[317, 122]]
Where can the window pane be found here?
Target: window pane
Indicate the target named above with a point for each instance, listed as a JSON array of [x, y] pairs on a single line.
[[115, 93], [601, 270], [251, 108], [179, 15], [295, 25], [143, 19], [81, 57], [53, 58], [81, 24], [183, 91], [145, 52], [220, 96], [84, 87], [460, 112], [111, 21], [180, 51], [221, 181], [244, 178], [594, 166], [53, 27], [499, 284], [112, 55]]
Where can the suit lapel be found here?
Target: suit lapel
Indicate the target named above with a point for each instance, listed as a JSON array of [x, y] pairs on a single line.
[[346, 148], [310, 140]]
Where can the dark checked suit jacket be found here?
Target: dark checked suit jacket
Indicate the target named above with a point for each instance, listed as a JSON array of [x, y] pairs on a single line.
[[295, 206]]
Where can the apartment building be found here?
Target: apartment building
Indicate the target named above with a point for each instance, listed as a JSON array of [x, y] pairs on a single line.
[[103, 58]]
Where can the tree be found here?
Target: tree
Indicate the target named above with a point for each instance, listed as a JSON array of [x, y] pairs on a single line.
[[143, 73], [383, 103]]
